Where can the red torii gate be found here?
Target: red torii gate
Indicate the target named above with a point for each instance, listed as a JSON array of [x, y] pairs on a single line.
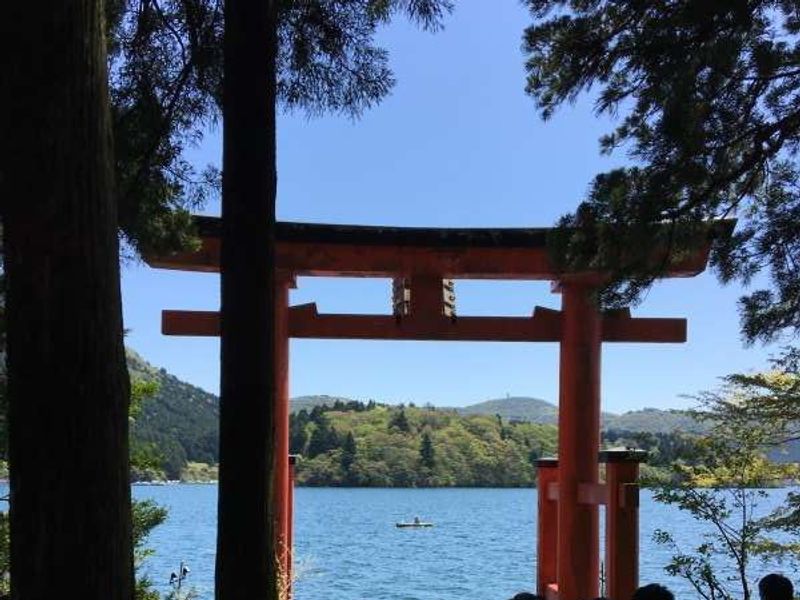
[[569, 488]]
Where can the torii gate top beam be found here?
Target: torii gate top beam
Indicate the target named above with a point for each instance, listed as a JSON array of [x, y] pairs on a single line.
[[425, 257], [367, 251]]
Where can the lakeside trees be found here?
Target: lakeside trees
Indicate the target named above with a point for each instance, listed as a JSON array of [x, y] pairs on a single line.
[[436, 448], [722, 489]]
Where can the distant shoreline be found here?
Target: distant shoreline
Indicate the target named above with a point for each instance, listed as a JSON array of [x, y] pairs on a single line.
[[165, 483]]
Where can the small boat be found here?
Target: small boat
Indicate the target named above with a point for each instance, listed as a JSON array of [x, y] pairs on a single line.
[[415, 523]]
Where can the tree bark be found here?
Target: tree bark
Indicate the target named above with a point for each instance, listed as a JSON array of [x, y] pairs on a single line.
[[67, 382], [246, 553]]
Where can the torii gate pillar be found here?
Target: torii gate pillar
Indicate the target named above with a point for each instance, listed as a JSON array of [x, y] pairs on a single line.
[[282, 493], [578, 442]]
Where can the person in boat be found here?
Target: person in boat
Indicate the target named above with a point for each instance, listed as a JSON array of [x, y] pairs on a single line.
[[775, 587], [416, 521], [653, 591]]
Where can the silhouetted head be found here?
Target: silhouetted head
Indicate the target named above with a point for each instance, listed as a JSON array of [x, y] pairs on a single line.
[[527, 596], [775, 587], [653, 591]]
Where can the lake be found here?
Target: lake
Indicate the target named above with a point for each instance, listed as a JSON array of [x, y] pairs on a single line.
[[347, 547]]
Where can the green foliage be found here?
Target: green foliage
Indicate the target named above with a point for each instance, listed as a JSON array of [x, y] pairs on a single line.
[[179, 423], [145, 459], [181, 418], [451, 450], [399, 421], [772, 397], [348, 457], [165, 70], [298, 431], [145, 462], [196, 472], [147, 515], [324, 437], [722, 489], [663, 449], [166, 89], [141, 390], [328, 61], [707, 97], [307, 403], [427, 454]]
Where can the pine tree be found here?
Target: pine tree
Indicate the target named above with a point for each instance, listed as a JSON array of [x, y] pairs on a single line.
[[297, 432], [707, 100], [427, 456], [399, 421], [323, 439], [349, 451]]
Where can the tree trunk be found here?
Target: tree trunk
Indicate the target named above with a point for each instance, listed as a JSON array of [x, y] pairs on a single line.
[[67, 383], [246, 556]]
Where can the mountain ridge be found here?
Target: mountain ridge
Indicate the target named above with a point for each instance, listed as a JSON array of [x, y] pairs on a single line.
[[536, 410], [182, 420]]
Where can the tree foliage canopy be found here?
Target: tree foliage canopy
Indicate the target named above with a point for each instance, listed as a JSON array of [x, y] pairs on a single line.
[[166, 88], [436, 448], [723, 491], [708, 100]]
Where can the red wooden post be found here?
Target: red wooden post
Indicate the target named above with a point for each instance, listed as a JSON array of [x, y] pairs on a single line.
[[290, 544], [578, 442], [622, 521], [281, 483], [546, 525]]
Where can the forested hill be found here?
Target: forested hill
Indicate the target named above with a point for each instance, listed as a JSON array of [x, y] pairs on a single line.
[[535, 410], [515, 408], [308, 402], [378, 445], [652, 420], [181, 420]]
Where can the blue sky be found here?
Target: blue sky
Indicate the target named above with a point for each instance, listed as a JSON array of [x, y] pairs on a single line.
[[458, 143]]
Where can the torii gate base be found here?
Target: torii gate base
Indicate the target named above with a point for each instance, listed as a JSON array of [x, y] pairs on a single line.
[[620, 495]]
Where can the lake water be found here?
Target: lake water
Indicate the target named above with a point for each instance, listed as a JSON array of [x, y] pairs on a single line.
[[347, 547]]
